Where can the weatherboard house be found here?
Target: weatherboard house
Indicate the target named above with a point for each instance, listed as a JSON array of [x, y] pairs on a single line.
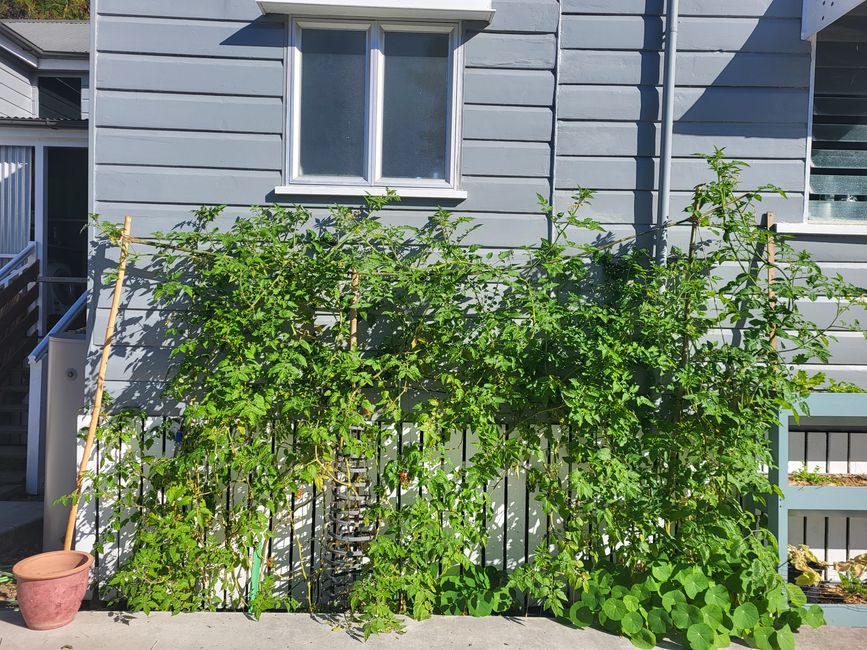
[[473, 105]]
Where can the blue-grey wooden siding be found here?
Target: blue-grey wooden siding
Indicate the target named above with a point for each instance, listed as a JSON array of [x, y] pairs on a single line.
[[188, 108], [16, 89]]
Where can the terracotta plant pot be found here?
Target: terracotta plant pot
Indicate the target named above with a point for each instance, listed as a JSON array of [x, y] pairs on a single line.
[[51, 586]]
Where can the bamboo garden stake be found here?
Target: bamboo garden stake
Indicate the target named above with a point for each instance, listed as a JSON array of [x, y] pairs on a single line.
[[772, 271], [100, 381]]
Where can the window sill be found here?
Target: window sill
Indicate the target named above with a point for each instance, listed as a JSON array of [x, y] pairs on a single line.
[[446, 193], [833, 228]]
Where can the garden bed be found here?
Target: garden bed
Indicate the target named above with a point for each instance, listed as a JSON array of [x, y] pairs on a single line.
[[829, 593], [844, 480]]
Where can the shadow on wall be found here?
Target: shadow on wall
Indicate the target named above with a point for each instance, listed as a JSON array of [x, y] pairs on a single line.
[[738, 79], [765, 81]]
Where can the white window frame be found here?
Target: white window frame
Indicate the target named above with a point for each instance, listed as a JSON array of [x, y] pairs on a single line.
[[374, 183]]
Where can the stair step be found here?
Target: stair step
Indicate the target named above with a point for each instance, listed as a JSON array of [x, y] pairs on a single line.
[[15, 388], [13, 458], [12, 476], [10, 491]]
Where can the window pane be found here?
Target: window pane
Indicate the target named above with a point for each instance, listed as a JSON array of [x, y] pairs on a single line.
[[333, 71], [416, 105]]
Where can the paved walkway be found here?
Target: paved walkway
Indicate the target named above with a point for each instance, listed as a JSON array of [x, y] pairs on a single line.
[[121, 631]]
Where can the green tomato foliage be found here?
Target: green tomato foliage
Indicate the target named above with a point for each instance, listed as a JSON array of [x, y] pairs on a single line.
[[633, 398]]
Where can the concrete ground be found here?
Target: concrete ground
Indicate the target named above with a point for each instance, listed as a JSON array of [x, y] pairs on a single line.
[[123, 631]]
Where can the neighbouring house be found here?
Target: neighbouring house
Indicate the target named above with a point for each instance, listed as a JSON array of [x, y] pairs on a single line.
[[44, 105], [476, 106]]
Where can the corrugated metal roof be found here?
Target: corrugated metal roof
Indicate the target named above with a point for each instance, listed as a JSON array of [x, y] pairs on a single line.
[[52, 36]]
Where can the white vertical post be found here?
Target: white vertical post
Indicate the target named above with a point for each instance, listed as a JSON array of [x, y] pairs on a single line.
[[34, 429]]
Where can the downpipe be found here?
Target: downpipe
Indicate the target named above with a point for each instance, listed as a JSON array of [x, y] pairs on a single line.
[[669, 84]]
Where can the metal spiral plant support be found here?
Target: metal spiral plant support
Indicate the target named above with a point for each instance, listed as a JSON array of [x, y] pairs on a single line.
[[348, 535]]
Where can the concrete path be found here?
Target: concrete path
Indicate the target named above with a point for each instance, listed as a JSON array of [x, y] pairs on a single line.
[[122, 631]]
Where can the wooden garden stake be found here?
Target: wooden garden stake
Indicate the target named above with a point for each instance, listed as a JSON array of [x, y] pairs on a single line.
[[100, 381], [772, 272], [353, 314]]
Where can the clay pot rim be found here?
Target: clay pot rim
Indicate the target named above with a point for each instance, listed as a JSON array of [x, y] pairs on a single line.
[[23, 568]]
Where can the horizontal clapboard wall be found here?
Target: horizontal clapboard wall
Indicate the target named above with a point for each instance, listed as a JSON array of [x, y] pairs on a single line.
[[190, 110], [838, 177], [743, 77]]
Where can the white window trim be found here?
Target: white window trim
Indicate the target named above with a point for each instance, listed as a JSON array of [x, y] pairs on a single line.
[[448, 188]]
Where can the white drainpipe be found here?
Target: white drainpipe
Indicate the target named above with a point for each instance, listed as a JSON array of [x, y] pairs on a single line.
[[664, 198]]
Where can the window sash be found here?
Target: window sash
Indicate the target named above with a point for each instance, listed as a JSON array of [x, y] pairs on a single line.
[[374, 97]]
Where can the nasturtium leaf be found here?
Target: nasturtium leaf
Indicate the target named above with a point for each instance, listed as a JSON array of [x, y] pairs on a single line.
[[694, 582], [672, 598], [717, 595], [614, 609], [713, 615], [580, 616], [784, 638], [631, 603], [643, 639], [590, 599], [814, 616], [796, 595], [680, 617], [480, 604], [661, 572], [762, 637], [632, 622], [652, 584], [777, 600], [658, 620], [745, 617], [701, 636]]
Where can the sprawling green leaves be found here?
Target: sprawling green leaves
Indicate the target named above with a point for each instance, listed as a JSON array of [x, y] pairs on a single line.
[[633, 398]]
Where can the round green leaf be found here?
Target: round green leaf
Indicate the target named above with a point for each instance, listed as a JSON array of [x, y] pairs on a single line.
[[694, 583], [580, 616], [680, 617], [762, 637], [632, 622], [717, 595], [481, 605], [745, 617], [672, 598], [590, 599], [796, 595], [631, 602], [661, 572], [643, 639], [713, 615], [785, 638], [614, 609], [814, 616], [701, 636], [658, 620]]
